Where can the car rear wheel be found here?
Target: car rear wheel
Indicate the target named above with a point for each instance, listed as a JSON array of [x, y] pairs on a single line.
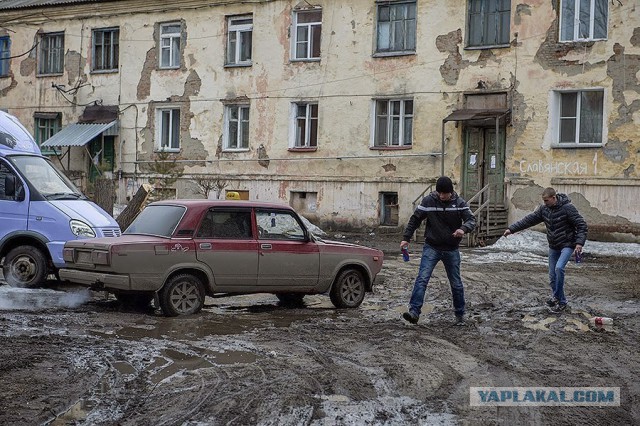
[[182, 295], [348, 289], [25, 266], [290, 299]]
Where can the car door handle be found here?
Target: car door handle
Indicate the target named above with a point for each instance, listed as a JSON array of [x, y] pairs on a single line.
[[266, 246], [205, 246]]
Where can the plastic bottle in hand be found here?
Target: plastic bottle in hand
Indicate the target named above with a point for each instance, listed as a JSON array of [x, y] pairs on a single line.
[[578, 257], [405, 253]]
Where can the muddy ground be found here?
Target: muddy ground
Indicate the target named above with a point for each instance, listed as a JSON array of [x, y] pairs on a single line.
[[247, 360]]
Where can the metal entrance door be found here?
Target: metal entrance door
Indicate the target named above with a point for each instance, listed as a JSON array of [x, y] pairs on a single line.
[[484, 163]]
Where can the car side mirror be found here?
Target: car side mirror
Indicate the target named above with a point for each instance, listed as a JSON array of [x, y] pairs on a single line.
[[9, 185]]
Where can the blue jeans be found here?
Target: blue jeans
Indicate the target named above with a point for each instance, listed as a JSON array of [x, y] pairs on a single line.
[[558, 260], [451, 261]]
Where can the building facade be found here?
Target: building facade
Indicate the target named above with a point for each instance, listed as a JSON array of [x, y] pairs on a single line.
[[348, 111]]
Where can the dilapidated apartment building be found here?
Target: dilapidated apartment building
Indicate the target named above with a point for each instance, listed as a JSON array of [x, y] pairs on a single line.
[[347, 110]]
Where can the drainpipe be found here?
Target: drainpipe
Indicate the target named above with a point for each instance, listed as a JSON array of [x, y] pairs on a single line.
[[442, 151]]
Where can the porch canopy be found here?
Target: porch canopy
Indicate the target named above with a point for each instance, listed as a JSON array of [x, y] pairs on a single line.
[[476, 117], [78, 134]]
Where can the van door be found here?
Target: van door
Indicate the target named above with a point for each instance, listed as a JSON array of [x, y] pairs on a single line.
[[14, 207]]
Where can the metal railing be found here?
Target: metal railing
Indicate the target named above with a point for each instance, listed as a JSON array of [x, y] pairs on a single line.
[[481, 214]]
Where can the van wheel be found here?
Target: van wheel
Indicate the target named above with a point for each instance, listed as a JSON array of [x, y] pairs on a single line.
[[182, 295], [348, 289], [25, 266]]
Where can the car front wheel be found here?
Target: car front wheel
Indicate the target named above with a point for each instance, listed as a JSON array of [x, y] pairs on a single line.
[[25, 266], [348, 289], [182, 295]]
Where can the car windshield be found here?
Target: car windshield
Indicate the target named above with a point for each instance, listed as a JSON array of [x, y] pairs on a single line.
[[45, 178], [157, 220]]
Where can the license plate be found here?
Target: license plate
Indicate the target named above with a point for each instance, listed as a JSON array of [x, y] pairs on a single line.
[[84, 257]]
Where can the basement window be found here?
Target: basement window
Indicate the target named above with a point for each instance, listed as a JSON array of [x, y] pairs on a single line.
[[389, 208]]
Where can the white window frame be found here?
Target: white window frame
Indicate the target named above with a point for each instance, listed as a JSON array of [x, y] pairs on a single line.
[[557, 118], [170, 42], [308, 29], [172, 144], [304, 141], [575, 33], [5, 54], [241, 131], [387, 30], [51, 53], [238, 35], [389, 116], [109, 51]]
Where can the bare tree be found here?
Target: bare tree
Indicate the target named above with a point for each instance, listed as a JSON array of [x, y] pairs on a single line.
[[208, 183]]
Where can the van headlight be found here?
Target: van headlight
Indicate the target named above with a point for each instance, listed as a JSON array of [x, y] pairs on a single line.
[[81, 229]]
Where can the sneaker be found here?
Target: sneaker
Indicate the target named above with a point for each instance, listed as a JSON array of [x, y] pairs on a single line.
[[560, 307], [552, 302], [460, 321], [409, 317]]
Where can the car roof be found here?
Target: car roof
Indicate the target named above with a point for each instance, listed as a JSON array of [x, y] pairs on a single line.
[[199, 203]]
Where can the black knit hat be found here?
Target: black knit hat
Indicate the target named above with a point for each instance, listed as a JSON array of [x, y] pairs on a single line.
[[444, 185]]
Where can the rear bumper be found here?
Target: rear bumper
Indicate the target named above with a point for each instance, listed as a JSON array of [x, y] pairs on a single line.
[[96, 280]]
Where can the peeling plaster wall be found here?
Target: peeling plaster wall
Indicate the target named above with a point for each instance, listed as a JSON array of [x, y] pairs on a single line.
[[346, 174]]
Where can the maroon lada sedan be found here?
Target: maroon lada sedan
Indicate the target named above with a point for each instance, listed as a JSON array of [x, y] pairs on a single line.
[[184, 250]]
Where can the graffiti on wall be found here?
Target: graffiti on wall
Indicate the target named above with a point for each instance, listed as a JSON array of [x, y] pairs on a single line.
[[560, 168]]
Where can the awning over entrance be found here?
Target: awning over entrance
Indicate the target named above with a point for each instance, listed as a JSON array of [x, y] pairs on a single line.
[[78, 134], [475, 114]]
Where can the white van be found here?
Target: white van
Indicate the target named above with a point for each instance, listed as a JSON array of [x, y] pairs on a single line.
[[40, 209]]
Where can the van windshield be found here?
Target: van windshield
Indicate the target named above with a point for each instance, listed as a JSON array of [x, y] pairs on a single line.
[[158, 220], [45, 178]]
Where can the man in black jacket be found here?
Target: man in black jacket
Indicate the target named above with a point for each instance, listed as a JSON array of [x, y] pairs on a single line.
[[448, 219], [566, 234]]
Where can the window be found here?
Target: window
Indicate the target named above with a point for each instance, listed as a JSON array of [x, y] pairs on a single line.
[[305, 125], [389, 210], [489, 22], [393, 123], [170, 45], [278, 225], [237, 127], [47, 124], [308, 27], [396, 27], [583, 19], [168, 125], [105, 49], [226, 224], [51, 53], [580, 117], [5, 53], [239, 40]]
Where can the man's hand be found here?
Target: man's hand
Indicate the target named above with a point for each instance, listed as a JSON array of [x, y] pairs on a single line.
[[458, 233], [506, 233], [404, 244], [578, 249]]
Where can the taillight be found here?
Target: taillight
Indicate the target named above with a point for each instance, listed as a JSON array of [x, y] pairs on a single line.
[[100, 257], [67, 255]]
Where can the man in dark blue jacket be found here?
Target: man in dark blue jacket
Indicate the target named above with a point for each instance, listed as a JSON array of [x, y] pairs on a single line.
[[566, 234], [448, 218]]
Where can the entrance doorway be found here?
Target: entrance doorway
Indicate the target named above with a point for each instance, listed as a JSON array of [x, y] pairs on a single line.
[[484, 163]]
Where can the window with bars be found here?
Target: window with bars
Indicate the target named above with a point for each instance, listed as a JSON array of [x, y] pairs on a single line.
[[106, 49], [239, 40], [396, 27], [583, 20], [393, 123], [170, 45], [236, 135], [488, 23], [308, 29], [168, 125], [305, 125], [51, 59]]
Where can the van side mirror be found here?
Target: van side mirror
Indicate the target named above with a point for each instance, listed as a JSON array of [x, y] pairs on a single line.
[[10, 188]]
